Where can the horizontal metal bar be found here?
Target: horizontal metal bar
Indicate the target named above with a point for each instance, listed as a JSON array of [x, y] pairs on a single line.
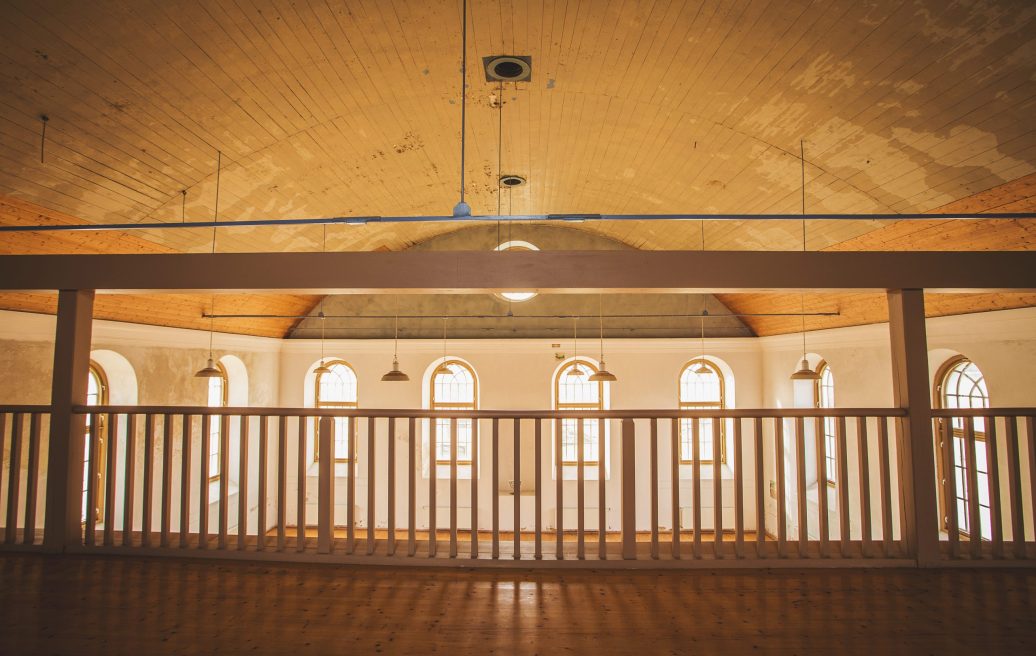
[[628, 271], [206, 315], [577, 217], [491, 414]]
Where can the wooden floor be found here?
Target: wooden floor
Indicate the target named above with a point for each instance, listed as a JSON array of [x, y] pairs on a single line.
[[125, 605]]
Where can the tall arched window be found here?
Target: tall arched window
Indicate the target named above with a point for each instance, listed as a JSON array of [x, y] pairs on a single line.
[[573, 390], [701, 388], [96, 394], [517, 297], [960, 384], [336, 389], [824, 393], [454, 387], [217, 398]]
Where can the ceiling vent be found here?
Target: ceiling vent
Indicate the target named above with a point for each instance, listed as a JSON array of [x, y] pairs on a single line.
[[508, 68], [509, 181]]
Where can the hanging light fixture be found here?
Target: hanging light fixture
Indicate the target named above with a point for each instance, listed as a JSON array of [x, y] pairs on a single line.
[[210, 370], [395, 375], [575, 370], [602, 375], [804, 372], [443, 368], [702, 369]]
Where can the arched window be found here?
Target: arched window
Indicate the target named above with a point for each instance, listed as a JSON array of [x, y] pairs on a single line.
[[701, 388], [573, 390], [824, 393], [96, 394], [454, 387], [517, 297], [336, 389], [217, 398], [960, 384]]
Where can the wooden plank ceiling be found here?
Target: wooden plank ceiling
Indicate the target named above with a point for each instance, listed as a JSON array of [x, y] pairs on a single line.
[[351, 108]]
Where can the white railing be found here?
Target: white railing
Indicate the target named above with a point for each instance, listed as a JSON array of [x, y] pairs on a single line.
[[274, 499], [986, 457], [23, 430]]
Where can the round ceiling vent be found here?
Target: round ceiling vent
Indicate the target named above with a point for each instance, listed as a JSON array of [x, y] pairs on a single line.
[[508, 68], [510, 181]]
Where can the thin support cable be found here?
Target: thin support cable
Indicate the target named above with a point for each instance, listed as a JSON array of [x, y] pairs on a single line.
[[499, 156], [463, 89], [215, 211], [183, 206], [802, 295]]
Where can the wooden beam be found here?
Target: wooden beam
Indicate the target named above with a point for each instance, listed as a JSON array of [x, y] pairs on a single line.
[[541, 271]]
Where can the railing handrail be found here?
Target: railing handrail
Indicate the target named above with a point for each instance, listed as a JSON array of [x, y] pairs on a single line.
[[667, 413], [25, 408], [984, 412]]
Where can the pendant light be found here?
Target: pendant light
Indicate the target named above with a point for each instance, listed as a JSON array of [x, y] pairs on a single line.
[[323, 368], [804, 372], [395, 375], [702, 369], [210, 370], [575, 370], [602, 375]]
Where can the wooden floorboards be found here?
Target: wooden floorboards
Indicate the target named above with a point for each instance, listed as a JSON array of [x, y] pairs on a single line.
[[124, 605]]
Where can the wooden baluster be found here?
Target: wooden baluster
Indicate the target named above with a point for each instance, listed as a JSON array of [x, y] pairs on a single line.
[[130, 480], [559, 515], [412, 485], [696, 483], [974, 513], [372, 429], [325, 484], [474, 488], [949, 483], [601, 502], [149, 479], [739, 492], [495, 483], [993, 480], [674, 460], [453, 487], [537, 482], [224, 480], [14, 478], [260, 531], [580, 490], [242, 484], [628, 502], [1014, 485], [782, 508], [352, 426], [517, 473], [300, 483], [167, 480], [1030, 435], [32, 480], [842, 484], [282, 483], [760, 491], [717, 490], [90, 537], [433, 466], [866, 534], [653, 464], [800, 483], [203, 483], [820, 432], [391, 479], [185, 478], [3, 440], [886, 487]]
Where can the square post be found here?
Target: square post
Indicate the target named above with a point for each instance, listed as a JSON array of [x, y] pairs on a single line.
[[910, 391], [62, 526], [629, 491], [325, 489]]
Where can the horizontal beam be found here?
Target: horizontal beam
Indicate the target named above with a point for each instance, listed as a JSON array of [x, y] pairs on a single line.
[[539, 271], [572, 218]]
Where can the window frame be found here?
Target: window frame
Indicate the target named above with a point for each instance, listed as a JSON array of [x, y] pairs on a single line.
[[97, 372], [560, 407], [939, 401], [830, 437], [703, 405], [346, 405], [452, 405]]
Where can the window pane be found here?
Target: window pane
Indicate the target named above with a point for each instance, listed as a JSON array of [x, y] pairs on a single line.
[[337, 386]]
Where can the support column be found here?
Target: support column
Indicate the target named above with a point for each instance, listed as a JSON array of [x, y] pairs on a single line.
[[68, 389], [629, 491], [910, 391]]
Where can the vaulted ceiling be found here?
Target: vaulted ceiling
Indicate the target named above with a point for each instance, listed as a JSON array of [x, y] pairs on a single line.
[[351, 108]]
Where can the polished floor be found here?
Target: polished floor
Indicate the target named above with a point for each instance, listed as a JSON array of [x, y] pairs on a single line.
[[125, 605]]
